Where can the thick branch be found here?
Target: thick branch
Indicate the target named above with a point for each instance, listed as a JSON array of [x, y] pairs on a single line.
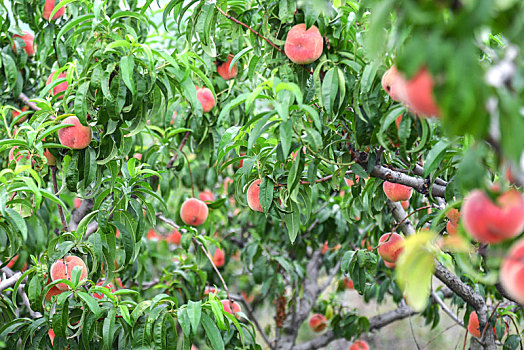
[[420, 185], [77, 215], [23, 97], [9, 282]]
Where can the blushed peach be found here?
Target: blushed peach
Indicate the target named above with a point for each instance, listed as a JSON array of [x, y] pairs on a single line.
[[174, 238], [512, 272], [223, 69], [13, 261], [18, 155], [303, 46], [194, 212], [52, 292], [451, 228], [51, 159], [28, 39], [206, 196], [253, 199], [49, 6], [404, 204], [397, 192], [206, 98], [63, 268], [390, 246], [359, 345], [231, 307], [394, 83], [60, 87], [108, 286], [77, 203], [219, 258], [152, 235], [419, 92], [348, 283], [454, 215], [16, 114], [77, 136], [318, 322], [389, 265]]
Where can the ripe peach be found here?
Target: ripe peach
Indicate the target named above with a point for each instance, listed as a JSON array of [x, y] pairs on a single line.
[[350, 182], [474, 328], [231, 307], [223, 69], [453, 215], [206, 98], [490, 222], [389, 265], [512, 272], [77, 203], [51, 334], [62, 269], [49, 6], [210, 289], [219, 258], [404, 204], [137, 156], [394, 83], [348, 283], [325, 248], [60, 87], [253, 199], [359, 345], [419, 92], [18, 155], [397, 192], [16, 114], [390, 246], [193, 347], [52, 292], [152, 235], [28, 39], [318, 322], [194, 212], [75, 137], [12, 263], [174, 238], [108, 286], [303, 46], [451, 228], [206, 196], [51, 159]]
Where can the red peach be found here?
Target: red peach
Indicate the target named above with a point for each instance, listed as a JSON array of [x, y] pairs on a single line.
[[12, 263], [348, 283], [231, 307], [303, 46], [397, 192], [474, 327], [60, 87], [206, 196], [209, 289], [253, 199], [206, 98], [152, 235], [223, 69], [404, 204], [490, 222], [512, 272], [219, 258], [390, 246], [49, 6], [63, 268], [18, 155], [249, 298], [77, 203], [28, 39], [451, 228], [52, 292], [194, 212], [389, 265], [454, 215], [108, 286], [394, 83], [16, 114], [51, 334], [318, 322], [174, 238], [325, 248], [419, 92], [359, 345], [51, 159], [77, 136]]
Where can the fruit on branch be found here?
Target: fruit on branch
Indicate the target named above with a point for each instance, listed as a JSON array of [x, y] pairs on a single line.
[[16, 114], [489, 222], [223, 69], [77, 203], [51, 159], [77, 136], [404, 204], [419, 93], [52, 292], [394, 83], [194, 212], [60, 87], [390, 246], [325, 248], [303, 46], [219, 258], [318, 322], [453, 215], [210, 289], [49, 6], [253, 199], [63, 268], [474, 327], [512, 272], [206, 196], [294, 153], [451, 228], [231, 307], [12, 263], [206, 98], [51, 335], [174, 238], [397, 192], [359, 345], [152, 235], [389, 265], [18, 155], [108, 286], [348, 283], [28, 39]]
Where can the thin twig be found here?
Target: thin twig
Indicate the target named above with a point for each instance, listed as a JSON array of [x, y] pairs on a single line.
[[446, 309], [55, 188], [407, 216], [175, 156], [253, 318]]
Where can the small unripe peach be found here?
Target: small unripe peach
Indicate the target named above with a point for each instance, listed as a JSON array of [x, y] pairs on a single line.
[[77, 136], [206, 196], [318, 322], [397, 192], [390, 246], [194, 212], [174, 238], [490, 222], [394, 83], [419, 91], [223, 69], [359, 345], [28, 39], [512, 272], [253, 199], [303, 46], [63, 268], [219, 258], [231, 307], [60, 87], [49, 6], [206, 98]]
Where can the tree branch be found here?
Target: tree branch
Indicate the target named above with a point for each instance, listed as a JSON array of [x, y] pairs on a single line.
[[9, 282], [23, 97], [78, 214], [175, 156], [252, 317]]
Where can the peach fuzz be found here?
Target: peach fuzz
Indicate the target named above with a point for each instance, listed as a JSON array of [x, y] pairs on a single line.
[[60, 87], [419, 93], [489, 222], [394, 83], [219, 258], [206, 196], [206, 98], [397, 192], [49, 6], [231, 307], [318, 322], [63, 268], [253, 199], [390, 246], [359, 345], [77, 136], [512, 272], [28, 39], [194, 212], [174, 238], [223, 69], [108, 286], [303, 46]]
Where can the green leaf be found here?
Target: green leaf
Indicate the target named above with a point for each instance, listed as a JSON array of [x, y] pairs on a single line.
[[265, 193], [292, 221], [212, 332], [435, 157], [127, 65], [330, 87], [194, 312]]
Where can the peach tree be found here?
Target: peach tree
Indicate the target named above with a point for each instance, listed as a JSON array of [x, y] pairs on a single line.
[[176, 171]]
